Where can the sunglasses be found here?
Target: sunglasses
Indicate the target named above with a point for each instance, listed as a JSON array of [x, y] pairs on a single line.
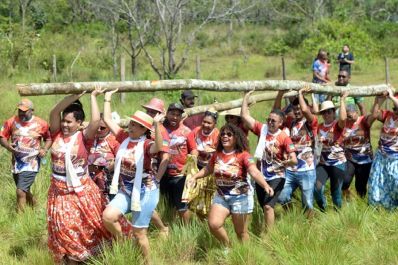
[[272, 121], [214, 115], [102, 128], [229, 134], [341, 76], [395, 109]]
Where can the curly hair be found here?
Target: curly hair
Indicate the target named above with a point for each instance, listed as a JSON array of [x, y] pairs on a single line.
[[241, 140]]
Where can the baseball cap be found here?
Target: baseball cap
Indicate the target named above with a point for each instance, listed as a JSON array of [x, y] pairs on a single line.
[[25, 104], [188, 94], [175, 106]]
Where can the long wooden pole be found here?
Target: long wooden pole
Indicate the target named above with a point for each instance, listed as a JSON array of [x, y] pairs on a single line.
[[194, 84]]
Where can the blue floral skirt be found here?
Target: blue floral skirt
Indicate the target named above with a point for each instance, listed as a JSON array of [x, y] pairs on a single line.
[[383, 182]]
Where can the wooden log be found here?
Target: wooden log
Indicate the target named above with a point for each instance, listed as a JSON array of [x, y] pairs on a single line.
[[193, 84]]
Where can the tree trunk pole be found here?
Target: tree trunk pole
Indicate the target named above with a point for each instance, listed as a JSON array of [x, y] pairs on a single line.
[[122, 76], [194, 84]]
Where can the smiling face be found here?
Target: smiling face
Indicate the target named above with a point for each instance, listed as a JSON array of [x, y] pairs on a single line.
[[274, 122], [208, 124], [103, 130], [343, 78], [298, 114], [136, 130], [328, 115], [188, 102], [228, 140], [69, 124], [352, 115]]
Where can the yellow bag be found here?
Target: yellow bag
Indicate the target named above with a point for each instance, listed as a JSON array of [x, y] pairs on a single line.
[[200, 196]]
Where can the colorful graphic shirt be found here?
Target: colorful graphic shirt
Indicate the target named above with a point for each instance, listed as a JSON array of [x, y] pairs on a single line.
[[356, 141], [128, 167], [102, 151], [277, 149], [302, 134], [321, 68], [388, 143], [26, 138], [204, 144], [165, 147], [332, 152], [230, 172], [78, 154], [178, 149]]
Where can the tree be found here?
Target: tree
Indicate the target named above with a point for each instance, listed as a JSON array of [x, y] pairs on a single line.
[[167, 24]]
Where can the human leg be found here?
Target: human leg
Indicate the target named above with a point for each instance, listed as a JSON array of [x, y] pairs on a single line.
[[140, 234], [115, 209], [270, 201], [182, 208], [348, 177], [319, 188], [362, 173], [307, 183], [240, 226], [217, 215], [23, 181], [290, 186], [336, 175]]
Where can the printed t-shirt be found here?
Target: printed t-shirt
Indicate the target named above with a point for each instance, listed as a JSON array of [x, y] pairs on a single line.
[[230, 172], [178, 149], [26, 138], [78, 155], [204, 144], [321, 68], [128, 165], [356, 141], [332, 152], [156, 159], [278, 146], [388, 143], [102, 151], [302, 135]]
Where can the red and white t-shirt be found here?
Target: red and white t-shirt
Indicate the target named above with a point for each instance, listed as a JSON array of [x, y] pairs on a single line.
[[388, 143], [204, 144], [194, 121], [302, 134], [278, 146], [332, 152], [178, 149], [78, 154], [128, 166], [102, 151], [230, 172], [26, 138], [356, 141]]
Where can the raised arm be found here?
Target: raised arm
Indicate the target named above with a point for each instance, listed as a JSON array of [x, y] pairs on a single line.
[[93, 125], [113, 126], [248, 120], [343, 110], [55, 114], [392, 97], [376, 113], [157, 146], [278, 100], [304, 107]]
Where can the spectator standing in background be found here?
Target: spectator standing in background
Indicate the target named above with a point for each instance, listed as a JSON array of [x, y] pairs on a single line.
[[345, 59], [188, 101], [320, 73]]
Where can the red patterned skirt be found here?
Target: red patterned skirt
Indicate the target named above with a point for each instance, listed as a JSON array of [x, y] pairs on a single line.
[[74, 222]]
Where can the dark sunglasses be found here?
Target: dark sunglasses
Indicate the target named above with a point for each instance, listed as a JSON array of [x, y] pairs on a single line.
[[102, 128], [341, 76], [272, 121], [214, 115], [229, 134], [395, 109]]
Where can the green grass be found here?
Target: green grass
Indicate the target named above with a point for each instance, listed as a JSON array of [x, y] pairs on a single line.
[[355, 235]]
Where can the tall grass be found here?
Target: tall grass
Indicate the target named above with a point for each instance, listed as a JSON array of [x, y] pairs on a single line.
[[355, 235]]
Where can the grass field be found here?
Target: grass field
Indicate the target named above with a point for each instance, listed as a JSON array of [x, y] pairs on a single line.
[[355, 235]]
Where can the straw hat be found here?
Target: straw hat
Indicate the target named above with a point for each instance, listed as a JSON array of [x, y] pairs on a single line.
[[232, 112], [327, 105], [142, 118], [155, 104]]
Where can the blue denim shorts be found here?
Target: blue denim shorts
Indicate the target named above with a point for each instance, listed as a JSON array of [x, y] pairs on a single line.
[[241, 204], [149, 200]]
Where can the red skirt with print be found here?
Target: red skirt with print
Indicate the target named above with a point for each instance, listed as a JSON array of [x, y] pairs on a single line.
[[74, 222]]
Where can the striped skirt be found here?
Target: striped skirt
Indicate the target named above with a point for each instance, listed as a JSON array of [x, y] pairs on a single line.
[[383, 182]]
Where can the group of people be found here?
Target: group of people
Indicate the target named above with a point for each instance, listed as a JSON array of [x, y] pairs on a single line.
[[101, 172]]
